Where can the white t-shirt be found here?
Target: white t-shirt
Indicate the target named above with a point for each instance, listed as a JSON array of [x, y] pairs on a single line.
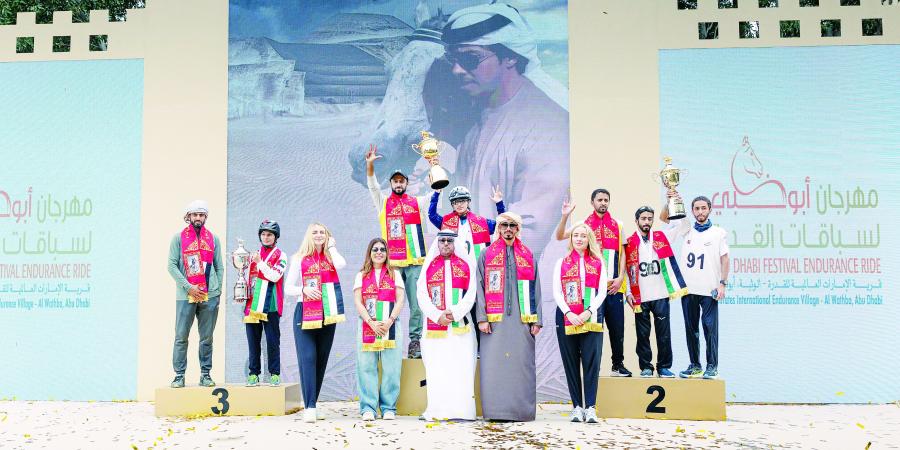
[[398, 281], [650, 280], [700, 261]]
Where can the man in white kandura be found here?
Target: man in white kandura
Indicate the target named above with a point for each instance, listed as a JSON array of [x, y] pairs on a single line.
[[446, 294]]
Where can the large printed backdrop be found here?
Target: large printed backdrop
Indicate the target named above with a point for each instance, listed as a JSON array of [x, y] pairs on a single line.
[[797, 149], [69, 221], [311, 84]]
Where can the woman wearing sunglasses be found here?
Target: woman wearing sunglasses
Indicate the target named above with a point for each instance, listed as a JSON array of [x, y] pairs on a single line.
[[378, 294]]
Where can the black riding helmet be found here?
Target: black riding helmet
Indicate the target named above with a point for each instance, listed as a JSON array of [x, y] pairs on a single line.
[[269, 225]]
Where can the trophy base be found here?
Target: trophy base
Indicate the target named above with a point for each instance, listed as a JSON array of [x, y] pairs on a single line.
[[440, 184], [677, 216]]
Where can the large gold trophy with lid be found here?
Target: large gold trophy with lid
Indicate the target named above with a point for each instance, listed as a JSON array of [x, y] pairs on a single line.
[[429, 148], [671, 177]]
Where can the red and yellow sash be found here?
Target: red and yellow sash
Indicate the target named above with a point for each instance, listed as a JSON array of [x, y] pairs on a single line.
[[197, 257], [401, 227], [255, 310], [579, 296], [319, 274], [608, 236], [378, 297], [481, 235], [671, 274], [495, 281], [459, 282]]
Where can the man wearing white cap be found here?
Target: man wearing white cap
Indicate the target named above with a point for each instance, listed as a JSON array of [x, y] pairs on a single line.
[[195, 263], [521, 141]]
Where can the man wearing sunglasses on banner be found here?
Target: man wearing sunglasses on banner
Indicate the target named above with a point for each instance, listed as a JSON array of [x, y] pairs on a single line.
[[521, 140]]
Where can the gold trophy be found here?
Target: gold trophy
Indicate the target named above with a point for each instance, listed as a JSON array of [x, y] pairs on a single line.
[[240, 259], [670, 177], [429, 149]]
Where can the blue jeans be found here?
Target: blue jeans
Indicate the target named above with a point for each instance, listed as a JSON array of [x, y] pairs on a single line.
[[370, 396], [206, 314], [410, 275]]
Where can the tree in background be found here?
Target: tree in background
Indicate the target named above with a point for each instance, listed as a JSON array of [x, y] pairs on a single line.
[[81, 10]]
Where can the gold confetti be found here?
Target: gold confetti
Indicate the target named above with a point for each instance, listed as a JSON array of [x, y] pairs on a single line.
[[134, 447], [840, 393], [27, 436], [860, 426], [214, 428], [679, 429], [868, 445], [171, 432], [190, 429]]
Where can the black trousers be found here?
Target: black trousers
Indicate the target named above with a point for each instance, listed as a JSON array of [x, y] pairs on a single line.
[[273, 344], [613, 311], [580, 354], [660, 311], [690, 307]]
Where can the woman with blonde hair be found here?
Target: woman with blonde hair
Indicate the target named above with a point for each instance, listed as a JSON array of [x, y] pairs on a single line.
[[378, 293], [579, 287], [313, 278]]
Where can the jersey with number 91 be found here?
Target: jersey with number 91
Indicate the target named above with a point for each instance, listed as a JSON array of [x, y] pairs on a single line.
[[700, 257]]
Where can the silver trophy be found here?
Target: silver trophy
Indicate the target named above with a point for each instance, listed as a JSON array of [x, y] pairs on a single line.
[[240, 259]]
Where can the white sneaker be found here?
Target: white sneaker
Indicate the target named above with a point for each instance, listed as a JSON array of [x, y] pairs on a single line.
[[309, 415], [320, 415], [577, 414], [368, 416], [390, 415], [590, 415]]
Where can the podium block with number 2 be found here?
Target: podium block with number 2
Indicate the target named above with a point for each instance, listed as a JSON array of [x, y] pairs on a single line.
[[661, 398]]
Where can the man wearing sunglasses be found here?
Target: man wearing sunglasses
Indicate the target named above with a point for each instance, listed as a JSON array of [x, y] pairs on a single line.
[[508, 312], [521, 139]]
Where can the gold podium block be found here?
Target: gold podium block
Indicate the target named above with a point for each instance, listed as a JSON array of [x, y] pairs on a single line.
[[228, 400], [412, 398], [661, 398]]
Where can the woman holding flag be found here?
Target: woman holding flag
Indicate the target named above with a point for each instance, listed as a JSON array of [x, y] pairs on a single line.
[[313, 278], [378, 294]]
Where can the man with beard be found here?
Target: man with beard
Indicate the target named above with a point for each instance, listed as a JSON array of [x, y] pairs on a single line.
[[521, 140], [654, 279], [402, 218], [704, 254], [195, 263], [509, 315], [608, 232], [447, 292]]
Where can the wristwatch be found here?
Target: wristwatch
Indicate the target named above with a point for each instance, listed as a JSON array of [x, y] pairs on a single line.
[[723, 283]]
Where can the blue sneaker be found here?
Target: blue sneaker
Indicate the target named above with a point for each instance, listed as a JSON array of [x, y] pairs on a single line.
[[665, 373], [691, 372], [647, 373], [711, 373]]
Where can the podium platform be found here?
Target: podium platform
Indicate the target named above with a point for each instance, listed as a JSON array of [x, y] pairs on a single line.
[[412, 398], [661, 398], [228, 400]]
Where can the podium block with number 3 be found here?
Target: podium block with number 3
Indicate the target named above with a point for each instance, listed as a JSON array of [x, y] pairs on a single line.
[[661, 398], [229, 400]]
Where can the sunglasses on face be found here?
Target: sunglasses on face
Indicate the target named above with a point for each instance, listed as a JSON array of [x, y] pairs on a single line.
[[508, 225], [379, 250], [445, 241], [467, 60]]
